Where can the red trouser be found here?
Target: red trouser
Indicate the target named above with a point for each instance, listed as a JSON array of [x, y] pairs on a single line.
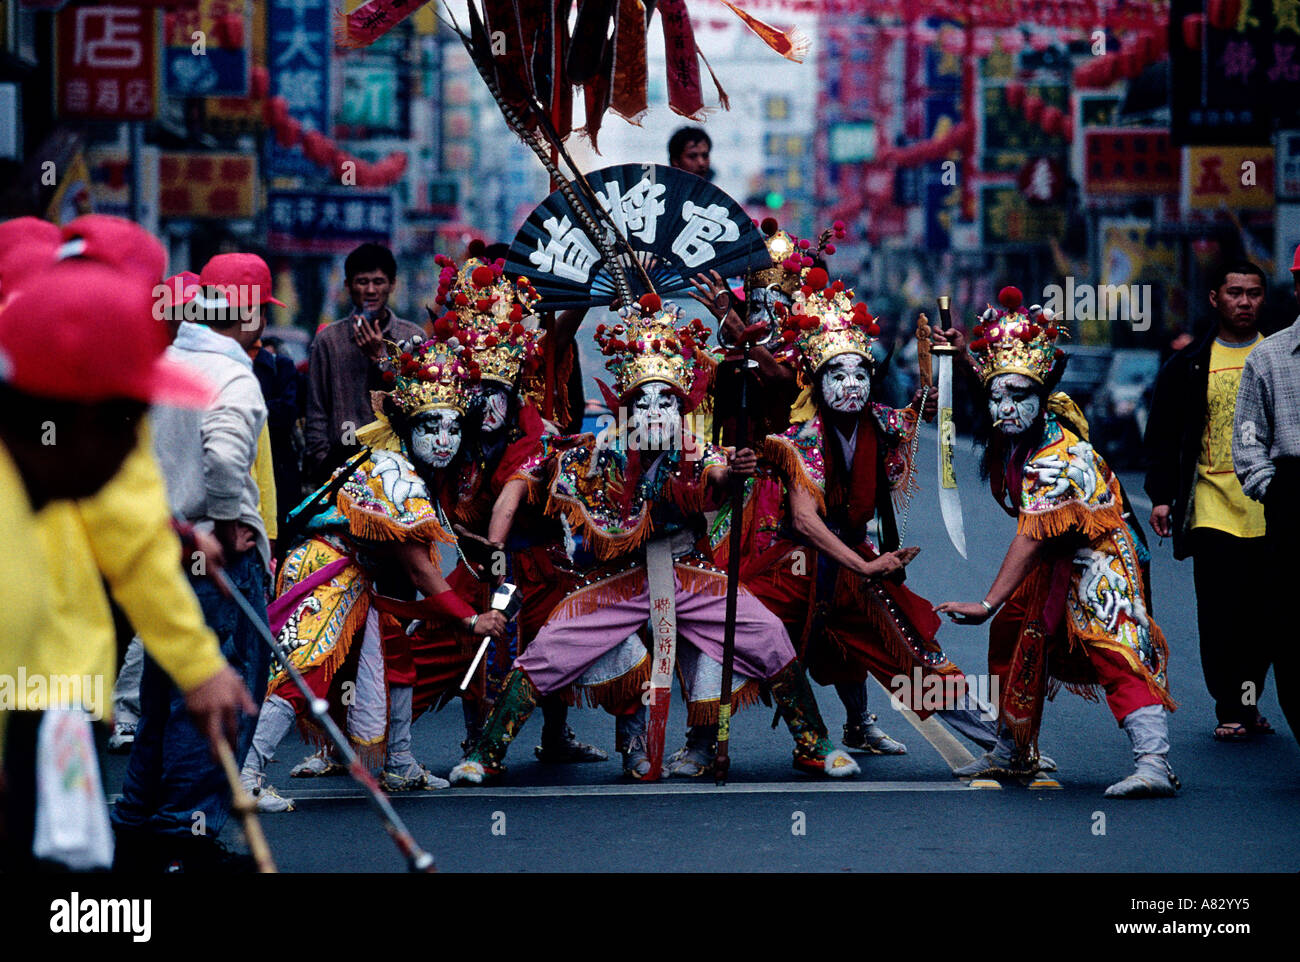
[[1126, 690]]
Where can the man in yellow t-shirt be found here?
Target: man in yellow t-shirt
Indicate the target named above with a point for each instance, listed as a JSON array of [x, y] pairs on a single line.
[[1199, 501]]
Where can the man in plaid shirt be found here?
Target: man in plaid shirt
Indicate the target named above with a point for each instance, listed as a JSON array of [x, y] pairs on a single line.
[[1266, 457]]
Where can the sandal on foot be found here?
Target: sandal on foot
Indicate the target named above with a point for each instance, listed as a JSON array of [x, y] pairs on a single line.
[[1231, 732], [1259, 726]]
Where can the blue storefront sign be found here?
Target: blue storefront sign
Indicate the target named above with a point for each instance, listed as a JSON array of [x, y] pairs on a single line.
[[327, 222]]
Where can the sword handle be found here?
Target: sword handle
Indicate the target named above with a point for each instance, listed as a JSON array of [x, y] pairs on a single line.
[[945, 323]]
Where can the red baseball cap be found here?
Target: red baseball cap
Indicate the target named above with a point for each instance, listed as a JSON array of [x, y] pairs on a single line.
[[182, 288], [119, 243], [27, 246], [88, 333], [238, 278]]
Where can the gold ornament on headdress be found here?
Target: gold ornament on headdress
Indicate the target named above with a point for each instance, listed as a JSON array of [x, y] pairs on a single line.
[[429, 374], [825, 322], [790, 256], [646, 345], [1015, 340], [495, 317]]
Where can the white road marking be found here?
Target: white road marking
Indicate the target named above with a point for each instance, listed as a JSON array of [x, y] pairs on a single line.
[[634, 789], [941, 740]]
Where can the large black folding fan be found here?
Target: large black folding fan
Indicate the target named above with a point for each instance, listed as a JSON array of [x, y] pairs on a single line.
[[677, 224]]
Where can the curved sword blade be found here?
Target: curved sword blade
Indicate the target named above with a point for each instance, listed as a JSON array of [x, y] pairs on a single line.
[[949, 500]]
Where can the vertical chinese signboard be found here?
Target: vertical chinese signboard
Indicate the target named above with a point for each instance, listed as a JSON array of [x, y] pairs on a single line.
[[106, 63], [1230, 86], [299, 44]]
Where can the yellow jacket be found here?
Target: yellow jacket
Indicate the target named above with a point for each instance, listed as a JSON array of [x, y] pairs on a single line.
[[122, 536], [264, 475], [23, 583]]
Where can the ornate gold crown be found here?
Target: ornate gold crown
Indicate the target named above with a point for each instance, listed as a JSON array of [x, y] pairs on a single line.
[[494, 316], [1015, 340], [429, 373], [825, 322], [790, 256], [647, 346]]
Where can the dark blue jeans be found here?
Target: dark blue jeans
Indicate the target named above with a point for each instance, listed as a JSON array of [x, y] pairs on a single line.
[[172, 776]]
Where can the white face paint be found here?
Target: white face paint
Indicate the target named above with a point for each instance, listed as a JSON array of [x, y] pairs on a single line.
[[1013, 403], [435, 438], [655, 420], [846, 383], [496, 402]]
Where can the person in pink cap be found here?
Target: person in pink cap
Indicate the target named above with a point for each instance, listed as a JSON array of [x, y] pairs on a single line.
[[74, 395], [206, 457]]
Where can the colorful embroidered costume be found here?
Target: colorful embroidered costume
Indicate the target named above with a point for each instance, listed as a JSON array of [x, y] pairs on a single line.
[[1081, 617], [1070, 601], [324, 603], [637, 505], [845, 626]]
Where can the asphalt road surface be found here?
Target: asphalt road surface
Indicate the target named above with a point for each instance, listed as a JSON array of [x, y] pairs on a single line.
[[1236, 813]]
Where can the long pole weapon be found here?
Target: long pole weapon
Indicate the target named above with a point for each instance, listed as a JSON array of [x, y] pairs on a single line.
[[723, 756], [246, 808], [417, 859]]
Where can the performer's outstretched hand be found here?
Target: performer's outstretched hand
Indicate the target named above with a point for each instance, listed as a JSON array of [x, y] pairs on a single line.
[[711, 291], [891, 562], [965, 612]]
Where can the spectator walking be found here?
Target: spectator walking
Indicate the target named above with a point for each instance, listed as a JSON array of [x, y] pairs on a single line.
[[1266, 454], [1199, 502]]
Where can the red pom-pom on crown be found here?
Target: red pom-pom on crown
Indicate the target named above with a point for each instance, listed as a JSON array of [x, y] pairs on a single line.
[[1010, 298]]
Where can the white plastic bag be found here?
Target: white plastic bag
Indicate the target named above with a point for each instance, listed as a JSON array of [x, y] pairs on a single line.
[[71, 811]]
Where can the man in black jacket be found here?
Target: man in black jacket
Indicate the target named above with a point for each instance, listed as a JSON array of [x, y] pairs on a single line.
[[1198, 500]]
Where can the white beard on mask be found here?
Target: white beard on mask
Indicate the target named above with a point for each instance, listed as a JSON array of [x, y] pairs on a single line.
[[846, 383], [435, 438], [655, 420], [1013, 403]]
